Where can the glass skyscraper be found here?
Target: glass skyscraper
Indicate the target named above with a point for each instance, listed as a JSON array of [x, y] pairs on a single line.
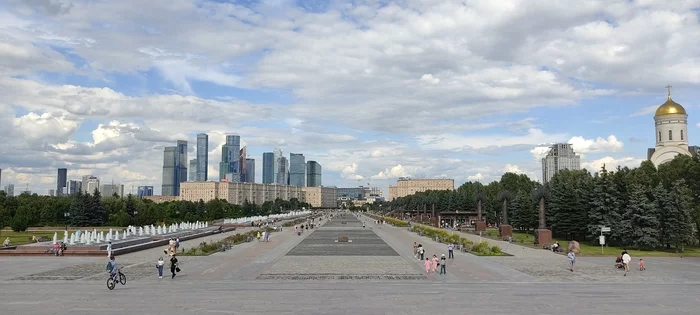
[[61, 180], [202, 173], [268, 168], [297, 169], [313, 174], [250, 170], [144, 191], [230, 159], [192, 177], [174, 168], [282, 171]]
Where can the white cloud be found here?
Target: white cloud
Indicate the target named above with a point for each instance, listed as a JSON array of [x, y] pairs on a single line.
[[394, 172], [458, 143], [476, 177], [45, 128], [509, 168], [611, 163], [429, 79], [583, 146]]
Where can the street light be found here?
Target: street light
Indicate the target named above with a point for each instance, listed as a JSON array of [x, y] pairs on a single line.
[[66, 215]]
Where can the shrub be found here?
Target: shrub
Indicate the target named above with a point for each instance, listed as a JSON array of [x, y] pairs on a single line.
[[481, 248], [495, 250]]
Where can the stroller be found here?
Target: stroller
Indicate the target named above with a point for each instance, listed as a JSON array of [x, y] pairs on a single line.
[[618, 263]]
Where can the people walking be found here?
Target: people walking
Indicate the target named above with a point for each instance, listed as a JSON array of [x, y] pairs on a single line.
[[173, 266], [572, 260], [443, 265], [159, 266], [415, 249], [421, 252], [427, 264], [626, 259], [435, 262], [450, 251]]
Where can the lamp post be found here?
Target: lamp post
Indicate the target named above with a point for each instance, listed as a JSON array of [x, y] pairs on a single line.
[[136, 212], [66, 216]]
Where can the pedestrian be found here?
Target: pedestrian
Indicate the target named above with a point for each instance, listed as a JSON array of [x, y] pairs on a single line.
[[177, 244], [435, 263], [159, 266], [450, 251], [421, 251], [173, 266], [415, 249], [443, 265], [626, 259], [427, 265], [572, 260], [641, 265]]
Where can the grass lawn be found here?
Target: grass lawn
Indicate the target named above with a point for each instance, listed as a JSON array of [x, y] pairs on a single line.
[[588, 249], [19, 238]]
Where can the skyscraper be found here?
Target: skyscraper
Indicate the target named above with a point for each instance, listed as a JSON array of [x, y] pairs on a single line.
[[52, 192], [241, 161], [92, 183], [230, 159], [61, 181], [313, 174], [109, 190], [297, 169], [250, 170], [202, 157], [560, 156], [278, 156], [74, 187], [144, 191], [174, 168], [10, 190], [192, 177], [268, 168], [282, 171]]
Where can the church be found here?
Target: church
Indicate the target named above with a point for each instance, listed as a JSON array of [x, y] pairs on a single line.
[[671, 133]]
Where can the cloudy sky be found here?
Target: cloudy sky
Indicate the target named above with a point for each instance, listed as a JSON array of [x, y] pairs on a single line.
[[371, 89]]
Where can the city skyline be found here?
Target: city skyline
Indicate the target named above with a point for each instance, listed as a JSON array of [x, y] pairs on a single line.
[[469, 99]]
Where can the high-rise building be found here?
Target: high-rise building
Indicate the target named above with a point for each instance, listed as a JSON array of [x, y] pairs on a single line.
[[278, 156], [74, 187], [268, 168], [144, 191], [61, 181], [297, 169], [313, 174], [192, 177], [202, 157], [174, 168], [250, 170], [109, 190], [52, 192], [92, 183], [561, 156], [84, 183], [241, 162], [282, 171], [10, 190], [230, 159]]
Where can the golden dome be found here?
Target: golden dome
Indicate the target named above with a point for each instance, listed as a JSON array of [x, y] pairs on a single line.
[[670, 108]]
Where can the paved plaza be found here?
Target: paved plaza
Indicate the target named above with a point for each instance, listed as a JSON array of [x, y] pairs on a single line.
[[376, 273]]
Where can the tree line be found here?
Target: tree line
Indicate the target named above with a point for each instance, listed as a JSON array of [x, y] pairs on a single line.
[[645, 207], [23, 211]]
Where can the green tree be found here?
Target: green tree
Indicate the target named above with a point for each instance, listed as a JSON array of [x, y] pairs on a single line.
[[640, 226], [604, 207], [678, 223], [20, 222]]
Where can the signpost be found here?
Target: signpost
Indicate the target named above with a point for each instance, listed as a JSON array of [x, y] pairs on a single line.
[[601, 239]]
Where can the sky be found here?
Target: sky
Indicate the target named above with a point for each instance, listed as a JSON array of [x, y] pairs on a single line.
[[372, 90]]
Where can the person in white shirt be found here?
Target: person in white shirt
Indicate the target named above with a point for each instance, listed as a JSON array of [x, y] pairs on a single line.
[[626, 259]]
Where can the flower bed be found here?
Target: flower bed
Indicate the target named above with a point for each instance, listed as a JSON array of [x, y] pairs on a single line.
[[208, 248]]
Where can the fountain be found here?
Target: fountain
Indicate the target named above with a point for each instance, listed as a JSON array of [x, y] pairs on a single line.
[[55, 238], [72, 239], [125, 234], [116, 236], [109, 235], [65, 236]]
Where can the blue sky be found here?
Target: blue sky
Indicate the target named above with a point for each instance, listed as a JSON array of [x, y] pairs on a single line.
[[372, 90]]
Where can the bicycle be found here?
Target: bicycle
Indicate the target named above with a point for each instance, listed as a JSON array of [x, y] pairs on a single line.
[[112, 281]]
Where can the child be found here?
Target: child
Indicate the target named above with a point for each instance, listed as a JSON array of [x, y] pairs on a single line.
[[427, 265], [572, 260], [641, 265], [159, 266]]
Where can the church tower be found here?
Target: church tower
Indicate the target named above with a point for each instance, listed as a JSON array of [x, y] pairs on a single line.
[[671, 131]]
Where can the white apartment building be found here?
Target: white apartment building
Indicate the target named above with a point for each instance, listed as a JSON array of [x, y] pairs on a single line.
[[561, 156]]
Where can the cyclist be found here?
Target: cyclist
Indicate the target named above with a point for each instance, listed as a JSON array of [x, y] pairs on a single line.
[[112, 268]]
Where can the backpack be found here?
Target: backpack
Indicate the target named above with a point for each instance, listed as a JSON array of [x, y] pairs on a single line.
[[109, 266]]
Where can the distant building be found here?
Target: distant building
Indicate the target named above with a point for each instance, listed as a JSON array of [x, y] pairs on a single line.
[[61, 179], [241, 162], [110, 189], [52, 192], [359, 193], [238, 193], [144, 191], [282, 171], [192, 177], [406, 186], [202, 172], [561, 156], [230, 159], [297, 169], [74, 187], [313, 174], [90, 184], [268, 168], [321, 197], [671, 121], [161, 199], [10, 190], [249, 171], [174, 168]]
